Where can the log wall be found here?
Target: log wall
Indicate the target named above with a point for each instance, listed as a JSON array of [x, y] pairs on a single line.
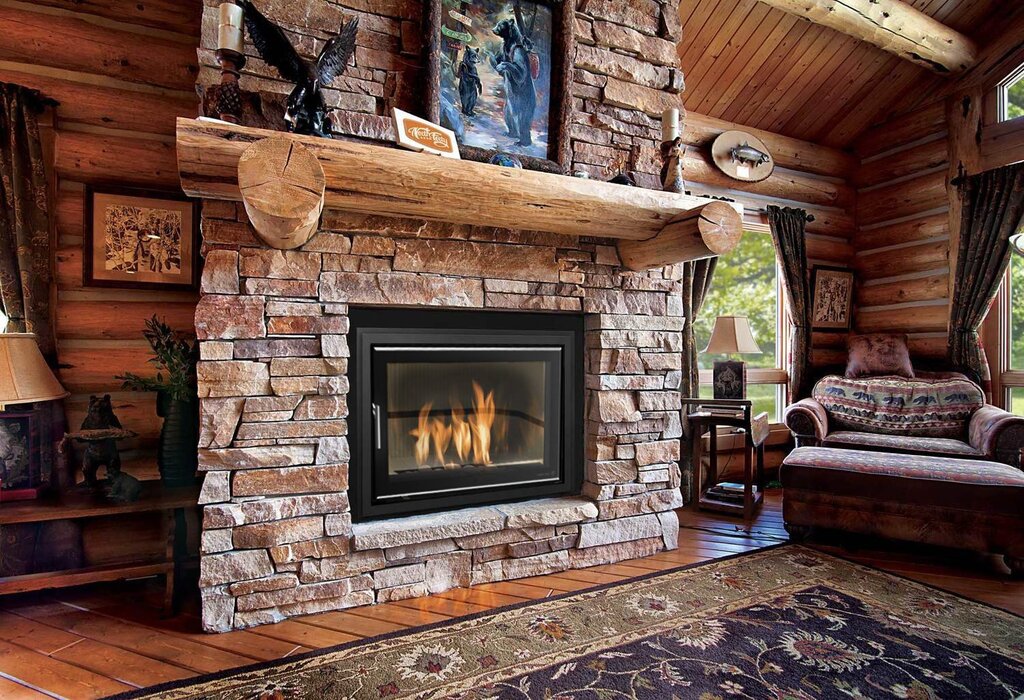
[[122, 71], [902, 241]]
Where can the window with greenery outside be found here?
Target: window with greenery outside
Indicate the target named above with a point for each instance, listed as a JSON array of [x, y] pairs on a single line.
[[1014, 97], [746, 284], [1017, 328]]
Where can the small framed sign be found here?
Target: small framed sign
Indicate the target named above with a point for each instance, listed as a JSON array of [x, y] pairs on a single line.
[[832, 297], [141, 239], [418, 134]]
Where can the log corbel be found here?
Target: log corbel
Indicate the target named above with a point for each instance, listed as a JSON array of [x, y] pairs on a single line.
[[702, 232], [892, 26], [282, 185]]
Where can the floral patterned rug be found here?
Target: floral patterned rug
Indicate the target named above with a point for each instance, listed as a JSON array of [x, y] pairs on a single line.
[[786, 622]]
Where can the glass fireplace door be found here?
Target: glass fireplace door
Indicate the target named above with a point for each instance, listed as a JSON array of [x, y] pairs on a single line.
[[450, 409], [455, 420]]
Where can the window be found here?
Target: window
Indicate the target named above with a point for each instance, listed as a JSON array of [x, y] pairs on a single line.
[[747, 283], [1010, 96], [1004, 338]]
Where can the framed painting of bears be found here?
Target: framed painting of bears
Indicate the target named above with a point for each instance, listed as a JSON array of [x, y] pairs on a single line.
[[497, 75]]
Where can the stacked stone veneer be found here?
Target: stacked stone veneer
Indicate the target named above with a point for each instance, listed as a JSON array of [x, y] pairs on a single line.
[[278, 537]]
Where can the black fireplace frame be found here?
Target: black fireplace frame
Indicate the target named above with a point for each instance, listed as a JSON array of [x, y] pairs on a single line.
[[518, 335]]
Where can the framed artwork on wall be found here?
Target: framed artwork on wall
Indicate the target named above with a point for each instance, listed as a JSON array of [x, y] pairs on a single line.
[[140, 239], [831, 298], [498, 73]]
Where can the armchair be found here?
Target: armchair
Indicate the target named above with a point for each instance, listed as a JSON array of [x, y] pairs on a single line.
[[936, 414]]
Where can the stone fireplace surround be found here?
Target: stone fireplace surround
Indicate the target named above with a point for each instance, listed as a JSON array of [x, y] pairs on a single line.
[[278, 539]]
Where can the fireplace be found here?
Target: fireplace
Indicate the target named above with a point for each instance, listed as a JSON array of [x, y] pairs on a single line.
[[456, 408]]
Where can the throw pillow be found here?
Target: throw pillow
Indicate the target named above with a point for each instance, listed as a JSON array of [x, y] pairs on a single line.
[[879, 354]]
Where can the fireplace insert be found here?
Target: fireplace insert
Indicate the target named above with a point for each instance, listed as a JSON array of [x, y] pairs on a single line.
[[457, 408]]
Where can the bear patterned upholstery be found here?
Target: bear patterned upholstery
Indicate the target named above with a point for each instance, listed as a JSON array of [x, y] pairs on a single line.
[[967, 503], [939, 414], [897, 406]]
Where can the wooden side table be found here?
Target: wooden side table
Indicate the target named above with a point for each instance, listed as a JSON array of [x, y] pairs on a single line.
[[706, 415]]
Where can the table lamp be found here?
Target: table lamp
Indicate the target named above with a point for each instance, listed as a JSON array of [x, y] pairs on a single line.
[[731, 336], [25, 378]]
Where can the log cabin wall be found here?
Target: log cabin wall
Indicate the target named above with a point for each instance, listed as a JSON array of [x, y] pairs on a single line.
[[122, 70], [808, 175], [902, 242]]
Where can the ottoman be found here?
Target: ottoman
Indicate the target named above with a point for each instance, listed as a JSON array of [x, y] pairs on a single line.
[[965, 503]]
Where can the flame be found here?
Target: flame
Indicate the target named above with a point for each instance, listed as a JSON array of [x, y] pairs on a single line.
[[461, 434], [441, 435], [473, 435], [481, 422], [422, 435]]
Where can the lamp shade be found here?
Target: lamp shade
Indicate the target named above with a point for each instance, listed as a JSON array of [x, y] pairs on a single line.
[[24, 375], [1017, 243], [731, 334]]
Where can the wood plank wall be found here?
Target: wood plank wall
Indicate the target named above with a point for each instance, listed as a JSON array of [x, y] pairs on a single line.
[[902, 240], [122, 70]]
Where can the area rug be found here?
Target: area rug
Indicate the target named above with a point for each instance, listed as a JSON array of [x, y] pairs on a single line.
[[787, 622]]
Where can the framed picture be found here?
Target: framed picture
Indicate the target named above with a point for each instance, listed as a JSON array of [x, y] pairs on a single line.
[[140, 239], [20, 476], [832, 298], [498, 73]]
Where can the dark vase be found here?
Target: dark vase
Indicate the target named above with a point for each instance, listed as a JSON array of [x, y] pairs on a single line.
[[178, 452]]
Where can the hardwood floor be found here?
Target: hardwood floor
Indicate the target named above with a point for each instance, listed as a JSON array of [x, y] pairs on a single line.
[[93, 641]]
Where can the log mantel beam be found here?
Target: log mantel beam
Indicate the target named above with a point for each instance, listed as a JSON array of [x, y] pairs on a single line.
[[373, 179], [892, 26]]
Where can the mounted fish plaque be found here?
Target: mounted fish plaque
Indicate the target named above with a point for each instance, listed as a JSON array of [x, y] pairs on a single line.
[[420, 135], [742, 156]]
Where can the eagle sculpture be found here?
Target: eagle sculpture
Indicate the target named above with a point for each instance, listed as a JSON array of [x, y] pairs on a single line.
[[306, 111]]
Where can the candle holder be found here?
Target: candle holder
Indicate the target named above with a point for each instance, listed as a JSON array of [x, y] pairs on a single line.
[[229, 94], [672, 153]]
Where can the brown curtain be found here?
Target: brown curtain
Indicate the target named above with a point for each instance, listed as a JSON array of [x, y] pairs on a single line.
[[993, 208], [787, 226], [24, 217], [696, 282]]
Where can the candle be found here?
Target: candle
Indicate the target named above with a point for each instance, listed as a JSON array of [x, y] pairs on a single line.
[[229, 31], [670, 124]]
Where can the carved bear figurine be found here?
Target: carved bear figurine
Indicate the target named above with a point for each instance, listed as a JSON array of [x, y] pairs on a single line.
[[100, 452], [470, 87]]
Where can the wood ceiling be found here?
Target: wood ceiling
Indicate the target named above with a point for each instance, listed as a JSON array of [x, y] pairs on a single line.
[[751, 64]]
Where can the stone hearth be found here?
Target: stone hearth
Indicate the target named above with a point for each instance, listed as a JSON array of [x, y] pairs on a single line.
[[278, 538]]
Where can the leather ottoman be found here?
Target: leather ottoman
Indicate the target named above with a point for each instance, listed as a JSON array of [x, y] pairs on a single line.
[[965, 503]]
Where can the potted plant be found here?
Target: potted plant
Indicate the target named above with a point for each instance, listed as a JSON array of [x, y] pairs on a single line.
[[177, 401]]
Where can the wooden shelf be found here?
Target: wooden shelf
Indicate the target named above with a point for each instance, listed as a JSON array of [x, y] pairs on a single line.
[[155, 497], [77, 577], [371, 179]]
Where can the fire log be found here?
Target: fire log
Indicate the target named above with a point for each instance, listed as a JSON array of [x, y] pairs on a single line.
[[703, 232], [282, 185]]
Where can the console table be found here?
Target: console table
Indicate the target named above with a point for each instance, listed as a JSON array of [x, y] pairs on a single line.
[[155, 497], [707, 415]]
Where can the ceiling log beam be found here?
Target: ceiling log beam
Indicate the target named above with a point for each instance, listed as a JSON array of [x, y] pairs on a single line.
[[892, 26]]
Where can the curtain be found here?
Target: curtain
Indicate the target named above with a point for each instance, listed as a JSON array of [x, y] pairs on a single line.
[[993, 209], [787, 226], [696, 282], [24, 217]]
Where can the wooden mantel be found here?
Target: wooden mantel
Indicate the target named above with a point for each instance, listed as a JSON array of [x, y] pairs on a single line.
[[372, 179]]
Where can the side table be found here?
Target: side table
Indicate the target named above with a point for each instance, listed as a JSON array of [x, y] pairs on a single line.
[[707, 415]]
